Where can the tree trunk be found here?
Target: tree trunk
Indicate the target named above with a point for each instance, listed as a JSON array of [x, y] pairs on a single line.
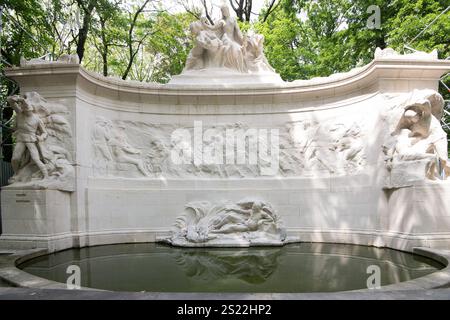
[[248, 10], [130, 40], [105, 62], [105, 47], [84, 30]]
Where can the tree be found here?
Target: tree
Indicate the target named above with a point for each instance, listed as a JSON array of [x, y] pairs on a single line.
[[244, 9], [87, 9], [196, 11], [318, 38], [24, 35], [135, 37], [105, 31], [271, 6], [307, 39], [170, 45]]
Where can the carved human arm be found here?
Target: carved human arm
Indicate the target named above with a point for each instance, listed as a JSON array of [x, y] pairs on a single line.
[[237, 210], [44, 133], [107, 132], [264, 217], [13, 102], [215, 27], [129, 149], [238, 37]]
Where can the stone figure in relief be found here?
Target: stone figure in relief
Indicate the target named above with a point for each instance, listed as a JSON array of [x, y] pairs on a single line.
[[306, 147], [243, 218], [245, 223], [123, 152], [41, 157], [223, 45], [30, 131], [348, 146], [418, 148], [157, 157], [335, 146], [101, 137]]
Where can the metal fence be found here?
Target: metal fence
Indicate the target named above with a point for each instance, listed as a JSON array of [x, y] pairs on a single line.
[[6, 172]]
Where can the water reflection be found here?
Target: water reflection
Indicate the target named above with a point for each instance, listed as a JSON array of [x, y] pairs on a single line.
[[293, 268], [253, 266]]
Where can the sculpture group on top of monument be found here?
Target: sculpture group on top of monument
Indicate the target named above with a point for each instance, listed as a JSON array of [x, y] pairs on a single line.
[[41, 158], [417, 149], [223, 45], [245, 223]]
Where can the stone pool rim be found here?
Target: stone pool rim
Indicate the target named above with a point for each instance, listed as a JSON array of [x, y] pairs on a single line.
[[16, 277]]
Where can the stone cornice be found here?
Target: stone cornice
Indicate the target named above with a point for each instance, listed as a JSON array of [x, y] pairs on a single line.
[[360, 80]]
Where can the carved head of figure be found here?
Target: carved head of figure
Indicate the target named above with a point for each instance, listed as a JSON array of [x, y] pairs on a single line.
[[196, 27], [102, 122], [16, 101], [435, 99], [417, 118], [225, 11], [437, 104], [25, 105], [204, 20], [27, 108], [121, 128], [254, 43], [257, 206]]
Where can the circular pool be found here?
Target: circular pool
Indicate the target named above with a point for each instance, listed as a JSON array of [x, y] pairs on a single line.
[[302, 267]]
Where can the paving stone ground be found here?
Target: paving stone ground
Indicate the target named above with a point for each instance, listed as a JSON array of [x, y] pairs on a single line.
[[57, 294]]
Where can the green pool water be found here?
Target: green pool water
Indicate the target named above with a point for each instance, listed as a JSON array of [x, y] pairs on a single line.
[[302, 267], [4, 284]]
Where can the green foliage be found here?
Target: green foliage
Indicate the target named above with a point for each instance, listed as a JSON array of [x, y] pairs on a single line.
[[170, 45], [24, 26], [304, 38]]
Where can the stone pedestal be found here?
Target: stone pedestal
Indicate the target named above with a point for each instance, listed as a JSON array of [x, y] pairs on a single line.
[[36, 219]]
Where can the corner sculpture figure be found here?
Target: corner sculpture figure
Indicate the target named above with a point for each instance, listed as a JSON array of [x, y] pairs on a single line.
[[249, 222], [40, 157], [417, 150], [30, 131], [222, 50]]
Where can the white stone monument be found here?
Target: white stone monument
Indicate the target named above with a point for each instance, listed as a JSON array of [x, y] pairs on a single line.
[[227, 154], [222, 55]]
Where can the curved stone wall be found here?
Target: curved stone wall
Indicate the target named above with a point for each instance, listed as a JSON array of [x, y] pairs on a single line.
[[331, 156]]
